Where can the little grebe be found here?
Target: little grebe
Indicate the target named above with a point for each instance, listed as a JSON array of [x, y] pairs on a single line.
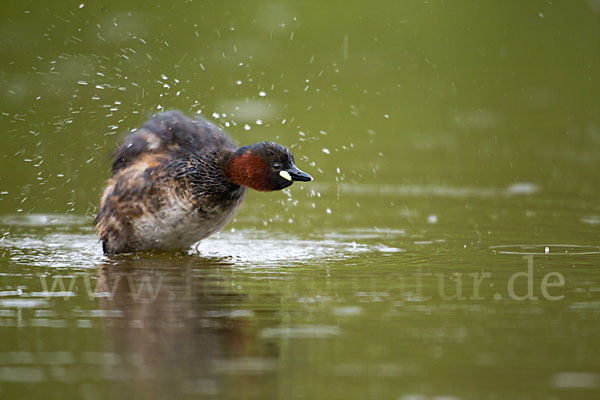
[[178, 180]]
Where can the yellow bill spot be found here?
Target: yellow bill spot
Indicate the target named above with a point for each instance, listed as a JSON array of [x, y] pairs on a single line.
[[285, 175]]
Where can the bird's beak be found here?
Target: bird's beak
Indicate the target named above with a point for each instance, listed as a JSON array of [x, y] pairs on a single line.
[[294, 174]]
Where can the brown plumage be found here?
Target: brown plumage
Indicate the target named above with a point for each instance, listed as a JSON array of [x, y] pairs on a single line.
[[177, 180]]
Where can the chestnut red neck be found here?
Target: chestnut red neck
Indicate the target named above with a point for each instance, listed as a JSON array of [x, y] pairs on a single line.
[[248, 169]]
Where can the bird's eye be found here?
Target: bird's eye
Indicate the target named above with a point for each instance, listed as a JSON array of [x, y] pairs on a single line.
[[276, 166]]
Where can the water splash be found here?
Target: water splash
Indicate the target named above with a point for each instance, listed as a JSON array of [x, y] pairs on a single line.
[[67, 242]]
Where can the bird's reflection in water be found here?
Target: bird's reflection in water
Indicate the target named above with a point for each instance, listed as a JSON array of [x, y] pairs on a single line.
[[176, 328]]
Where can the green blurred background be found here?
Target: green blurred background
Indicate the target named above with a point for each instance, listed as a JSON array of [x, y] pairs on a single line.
[[468, 93]]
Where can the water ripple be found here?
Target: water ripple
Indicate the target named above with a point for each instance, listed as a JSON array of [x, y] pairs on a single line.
[[252, 248], [546, 249]]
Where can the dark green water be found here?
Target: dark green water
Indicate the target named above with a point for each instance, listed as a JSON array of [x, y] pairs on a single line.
[[448, 248]]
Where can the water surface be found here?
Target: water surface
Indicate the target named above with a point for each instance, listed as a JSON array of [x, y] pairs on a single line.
[[447, 249]]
